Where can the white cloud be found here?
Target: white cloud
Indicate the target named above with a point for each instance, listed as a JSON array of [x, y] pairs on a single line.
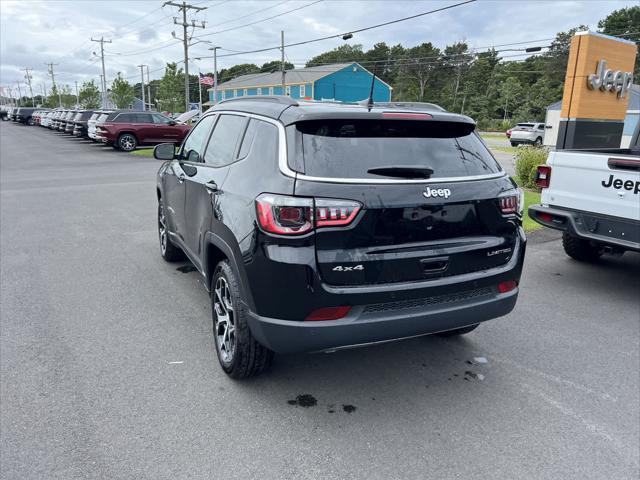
[[60, 31]]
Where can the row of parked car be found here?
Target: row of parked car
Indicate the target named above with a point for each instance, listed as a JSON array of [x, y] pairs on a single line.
[[121, 129]]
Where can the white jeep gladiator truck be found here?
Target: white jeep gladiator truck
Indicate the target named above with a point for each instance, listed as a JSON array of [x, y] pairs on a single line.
[[593, 197]]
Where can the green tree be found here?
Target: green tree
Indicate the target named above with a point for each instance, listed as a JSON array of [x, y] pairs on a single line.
[[52, 99], [170, 91], [89, 95], [343, 54], [510, 94], [274, 66], [67, 96], [121, 92], [227, 74], [624, 22], [418, 66]]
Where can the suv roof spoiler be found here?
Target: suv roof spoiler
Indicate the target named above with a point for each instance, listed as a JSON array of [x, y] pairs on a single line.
[[416, 105], [282, 99]]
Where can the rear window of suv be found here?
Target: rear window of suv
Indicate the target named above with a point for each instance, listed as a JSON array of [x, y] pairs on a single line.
[[350, 148]]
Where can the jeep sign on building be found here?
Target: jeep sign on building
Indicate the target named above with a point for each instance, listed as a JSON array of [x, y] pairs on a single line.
[[596, 91]]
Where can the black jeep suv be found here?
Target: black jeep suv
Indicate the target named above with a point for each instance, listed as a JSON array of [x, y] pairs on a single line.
[[318, 226]]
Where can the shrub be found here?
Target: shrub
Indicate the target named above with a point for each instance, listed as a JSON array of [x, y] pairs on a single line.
[[527, 161]]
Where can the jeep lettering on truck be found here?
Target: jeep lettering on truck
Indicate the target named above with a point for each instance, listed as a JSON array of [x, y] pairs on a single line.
[[619, 183]]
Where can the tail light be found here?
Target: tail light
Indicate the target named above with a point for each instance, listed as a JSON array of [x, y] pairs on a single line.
[[507, 286], [543, 176], [284, 215], [328, 313], [510, 204]]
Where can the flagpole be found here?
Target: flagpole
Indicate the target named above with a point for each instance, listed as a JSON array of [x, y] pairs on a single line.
[[200, 89]]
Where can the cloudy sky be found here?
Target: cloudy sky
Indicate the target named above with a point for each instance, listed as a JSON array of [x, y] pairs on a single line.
[[33, 32]]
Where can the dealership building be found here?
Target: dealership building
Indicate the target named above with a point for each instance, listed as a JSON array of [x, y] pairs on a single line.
[[344, 82]]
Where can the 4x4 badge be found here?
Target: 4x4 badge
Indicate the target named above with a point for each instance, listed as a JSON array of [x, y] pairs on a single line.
[[437, 192]]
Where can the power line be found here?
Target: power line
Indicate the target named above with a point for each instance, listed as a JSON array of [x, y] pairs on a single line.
[[411, 17], [260, 21], [249, 14]]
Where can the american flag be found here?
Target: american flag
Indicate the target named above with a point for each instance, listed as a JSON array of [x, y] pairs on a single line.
[[204, 80]]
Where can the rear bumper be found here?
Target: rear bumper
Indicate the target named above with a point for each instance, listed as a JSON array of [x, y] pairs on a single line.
[[602, 229], [382, 323]]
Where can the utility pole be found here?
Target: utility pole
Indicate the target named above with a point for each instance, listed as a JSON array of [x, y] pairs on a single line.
[[102, 41], [53, 81], [184, 7], [77, 96], [282, 60], [148, 87], [102, 92], [28, 77], [19, 94], [144, 102]]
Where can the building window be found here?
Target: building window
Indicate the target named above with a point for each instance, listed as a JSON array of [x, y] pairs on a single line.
[[287, 90], [259, 90], [244, 92], [302, 91], [270, 90], [235, 92]]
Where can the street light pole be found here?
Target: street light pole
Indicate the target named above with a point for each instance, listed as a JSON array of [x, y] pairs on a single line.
[[144, 103], [215, 74], [77, 96]]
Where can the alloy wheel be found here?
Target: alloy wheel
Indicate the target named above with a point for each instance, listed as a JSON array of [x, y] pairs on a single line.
[[162, 229], [225, 326], [127, 143]]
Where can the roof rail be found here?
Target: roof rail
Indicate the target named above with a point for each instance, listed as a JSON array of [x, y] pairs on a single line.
[[283, 99], [423, 105]]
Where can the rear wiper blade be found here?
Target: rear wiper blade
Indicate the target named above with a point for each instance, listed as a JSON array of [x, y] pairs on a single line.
[[402, 171]]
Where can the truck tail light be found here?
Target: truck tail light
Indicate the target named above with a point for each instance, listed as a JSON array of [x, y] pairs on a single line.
[[285, 215], [543, 176], [510, 204]]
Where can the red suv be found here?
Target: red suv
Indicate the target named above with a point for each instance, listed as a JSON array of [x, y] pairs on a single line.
[[127, 130]]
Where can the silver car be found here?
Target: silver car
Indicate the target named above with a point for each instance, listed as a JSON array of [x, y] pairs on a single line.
[[527, 133]]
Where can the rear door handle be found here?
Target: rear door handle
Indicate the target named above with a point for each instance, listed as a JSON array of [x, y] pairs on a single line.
[[212, 187]]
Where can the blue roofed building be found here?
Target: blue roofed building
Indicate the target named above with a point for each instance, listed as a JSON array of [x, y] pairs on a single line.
[[344, 82]]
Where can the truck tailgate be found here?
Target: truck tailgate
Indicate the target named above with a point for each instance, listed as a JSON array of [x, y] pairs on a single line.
[[608, 184]]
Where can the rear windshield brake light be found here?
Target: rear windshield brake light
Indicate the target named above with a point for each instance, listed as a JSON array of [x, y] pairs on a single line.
[[407, 115]]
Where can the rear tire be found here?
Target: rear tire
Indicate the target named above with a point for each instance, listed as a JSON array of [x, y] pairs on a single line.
[[30, 122], [239, 354], [168, 250], [514, 144], [459, 331], [127, 142], [579, 249]]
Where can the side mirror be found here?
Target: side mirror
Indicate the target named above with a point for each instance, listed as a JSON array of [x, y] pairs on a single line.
[[193, 157], [164, 151], [171, 123]]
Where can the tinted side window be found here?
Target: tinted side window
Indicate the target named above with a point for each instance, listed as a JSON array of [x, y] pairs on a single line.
[[125, 118], [260, 139], [160, 119], [197, 138], [143, 118], [224, 140]]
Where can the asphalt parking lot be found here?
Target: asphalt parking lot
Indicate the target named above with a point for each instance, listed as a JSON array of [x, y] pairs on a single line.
[[108, 368]]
